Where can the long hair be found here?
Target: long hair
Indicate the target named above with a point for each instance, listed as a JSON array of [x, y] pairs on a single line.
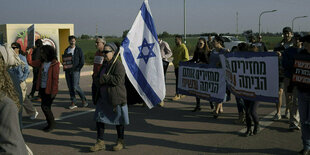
[[50, 52], [205, 47], [6, 84]]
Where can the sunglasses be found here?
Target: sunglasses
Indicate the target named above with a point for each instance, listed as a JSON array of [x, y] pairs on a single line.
[[106, 52], [14, 47]]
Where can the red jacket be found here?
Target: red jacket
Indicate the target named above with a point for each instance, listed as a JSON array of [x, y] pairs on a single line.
[[52, 75]]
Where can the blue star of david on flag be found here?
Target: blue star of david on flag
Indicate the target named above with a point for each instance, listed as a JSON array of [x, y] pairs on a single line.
[[146, 48]]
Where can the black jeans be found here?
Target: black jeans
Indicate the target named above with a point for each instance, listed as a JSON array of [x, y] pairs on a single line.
[[46, 104], [176, 72], [100, 130], [35, 73], [165, 67], [251, 112]]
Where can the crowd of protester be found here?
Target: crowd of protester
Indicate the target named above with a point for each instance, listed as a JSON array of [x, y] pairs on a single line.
[[109, 85]]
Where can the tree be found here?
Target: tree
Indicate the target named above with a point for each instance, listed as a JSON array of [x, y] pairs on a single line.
[[125, 33], [165, 34], [85, 36]]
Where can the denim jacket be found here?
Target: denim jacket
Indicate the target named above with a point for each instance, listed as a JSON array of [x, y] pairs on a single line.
[[21, 71]]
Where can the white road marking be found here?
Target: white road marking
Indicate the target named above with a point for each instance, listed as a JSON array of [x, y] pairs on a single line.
[[58, 119]]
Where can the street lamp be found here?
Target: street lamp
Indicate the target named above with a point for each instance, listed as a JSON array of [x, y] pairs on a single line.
[[260, 17], [296, 18]]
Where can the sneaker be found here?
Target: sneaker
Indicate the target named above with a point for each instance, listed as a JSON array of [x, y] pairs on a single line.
[[34, 116], [72, 106], [182, 96], [277, 117], [85, 104], [294, 127], [176, 97]]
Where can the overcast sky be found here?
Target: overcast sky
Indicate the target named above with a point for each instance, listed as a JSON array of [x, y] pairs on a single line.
[[115, 16]]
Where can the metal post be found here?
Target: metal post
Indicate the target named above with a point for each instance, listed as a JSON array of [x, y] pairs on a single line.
[[237, 23], [294, 20], [260, 17]]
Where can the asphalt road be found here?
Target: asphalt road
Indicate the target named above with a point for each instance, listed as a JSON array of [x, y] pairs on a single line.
[[173, 129]]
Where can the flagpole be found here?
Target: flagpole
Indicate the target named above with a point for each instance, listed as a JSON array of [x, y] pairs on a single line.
[[113, 63], [184, 22]]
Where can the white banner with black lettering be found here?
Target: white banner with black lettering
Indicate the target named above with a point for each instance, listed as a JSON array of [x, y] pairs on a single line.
[[252, 75], [202, 80]]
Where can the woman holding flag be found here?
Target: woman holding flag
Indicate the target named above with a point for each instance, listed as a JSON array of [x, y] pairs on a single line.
[[111, 100]]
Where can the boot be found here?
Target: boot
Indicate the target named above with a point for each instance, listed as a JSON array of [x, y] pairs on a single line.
[[256, 128], [197, 108], [99, 145], [51, 126], [119, 145], [248, 127], [49, 118], [248, 132], [241, 119]]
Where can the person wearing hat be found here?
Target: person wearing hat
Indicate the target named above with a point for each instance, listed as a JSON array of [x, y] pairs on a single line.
[[72, 68], [304, 100], [111, 106], [286, 42], [290, 91]]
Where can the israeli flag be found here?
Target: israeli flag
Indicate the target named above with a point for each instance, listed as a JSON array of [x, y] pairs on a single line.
[[142, 59]]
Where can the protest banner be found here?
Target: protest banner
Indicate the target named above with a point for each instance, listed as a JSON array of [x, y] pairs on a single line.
[[252, 75], [31, 36], [302, 70], [202, 80]]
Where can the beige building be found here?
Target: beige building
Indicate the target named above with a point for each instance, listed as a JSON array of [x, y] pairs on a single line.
[[55, 35]]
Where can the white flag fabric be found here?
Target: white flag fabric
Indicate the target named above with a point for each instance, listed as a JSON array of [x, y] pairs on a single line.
[[142, 60]]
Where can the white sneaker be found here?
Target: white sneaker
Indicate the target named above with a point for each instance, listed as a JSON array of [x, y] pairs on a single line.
[[34, 116], [277, 117], [72, 107]]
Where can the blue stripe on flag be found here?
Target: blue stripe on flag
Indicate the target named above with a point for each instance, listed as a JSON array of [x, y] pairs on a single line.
[[137, 74], [148, 20]]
